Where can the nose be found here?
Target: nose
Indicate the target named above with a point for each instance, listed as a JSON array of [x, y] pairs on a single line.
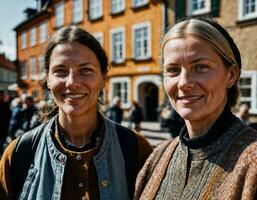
[[186, 80], [72, 80]]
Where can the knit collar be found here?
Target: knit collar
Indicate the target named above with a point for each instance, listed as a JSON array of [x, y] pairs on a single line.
[[224, 121]]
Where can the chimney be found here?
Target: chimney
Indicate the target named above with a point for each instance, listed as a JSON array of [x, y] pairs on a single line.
[[39, 5]]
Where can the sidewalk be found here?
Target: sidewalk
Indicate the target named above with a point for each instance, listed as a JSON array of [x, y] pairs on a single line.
[[152, 132]]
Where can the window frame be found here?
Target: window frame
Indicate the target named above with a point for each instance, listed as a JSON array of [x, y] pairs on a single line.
[[33, 72], [135, 27], [33, 36], [77, 11], [23, 70], [120, 9], [191, 12], [241, 11], [140, 4], [99, 36], [253, 87], [24, 40], [43, 32], [95, 16], [113, 31], [121, 80], [59, 14]]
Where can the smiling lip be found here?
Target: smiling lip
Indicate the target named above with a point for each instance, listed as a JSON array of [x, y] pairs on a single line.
[[74, 96], [189, 99]]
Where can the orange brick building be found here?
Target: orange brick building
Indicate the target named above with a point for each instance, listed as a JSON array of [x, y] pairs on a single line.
[[129, 30]]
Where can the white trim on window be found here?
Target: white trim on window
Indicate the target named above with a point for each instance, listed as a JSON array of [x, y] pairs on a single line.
[[95, 9], [99, 36], [141, 41], [251, 87], [23, 40], [33, 68], [198, 7], [244, 13], [124, 93], [139, 3], [23, 70], [77, 11], [43, 32], [117, 47], [117, 6], [33, 36], [59, 14]]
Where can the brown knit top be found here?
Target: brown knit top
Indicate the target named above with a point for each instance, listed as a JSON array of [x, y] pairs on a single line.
[[220, 165]]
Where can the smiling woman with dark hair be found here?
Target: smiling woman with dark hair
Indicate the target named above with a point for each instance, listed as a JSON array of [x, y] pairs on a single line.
[[214, 156], [77, 153]]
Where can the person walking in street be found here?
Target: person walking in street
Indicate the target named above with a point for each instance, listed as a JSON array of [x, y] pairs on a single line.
[[136, 116], [77, 153], [115, 112], [214, 156]]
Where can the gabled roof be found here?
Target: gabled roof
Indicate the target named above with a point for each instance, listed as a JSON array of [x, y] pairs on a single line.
[[6, 63]]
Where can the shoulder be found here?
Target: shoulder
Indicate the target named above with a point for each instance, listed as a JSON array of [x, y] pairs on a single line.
[[6, 158]]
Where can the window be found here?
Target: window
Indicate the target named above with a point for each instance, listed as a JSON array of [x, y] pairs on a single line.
[[59, 14], [99, 37], [247, 9], [95, 9], [43, 32], [77, 13], [33, 68], [141, 41], [118, 45], [120, 86], [41, 67], [33, 36], [117, 6], [138, 3], [23, 40], [198, 7], [248, 89], [23, 74]]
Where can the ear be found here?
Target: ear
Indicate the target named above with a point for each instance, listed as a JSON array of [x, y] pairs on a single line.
[[233, 74], [47, 83], [104, 82]]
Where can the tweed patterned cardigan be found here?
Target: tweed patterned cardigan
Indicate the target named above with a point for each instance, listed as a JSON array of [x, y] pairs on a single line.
[[224, 170]]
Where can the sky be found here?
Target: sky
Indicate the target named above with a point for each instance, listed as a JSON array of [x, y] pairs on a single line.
[[11, 14]]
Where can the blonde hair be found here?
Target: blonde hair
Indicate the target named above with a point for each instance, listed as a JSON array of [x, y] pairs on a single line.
[[202, 29]]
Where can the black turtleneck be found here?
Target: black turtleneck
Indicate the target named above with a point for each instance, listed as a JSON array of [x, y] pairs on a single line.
[[223, 122]]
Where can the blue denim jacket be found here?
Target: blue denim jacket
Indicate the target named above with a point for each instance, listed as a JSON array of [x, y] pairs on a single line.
[[45, 176]]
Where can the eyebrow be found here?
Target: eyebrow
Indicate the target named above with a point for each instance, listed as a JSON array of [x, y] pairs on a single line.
[[85, 63], [200, 59]]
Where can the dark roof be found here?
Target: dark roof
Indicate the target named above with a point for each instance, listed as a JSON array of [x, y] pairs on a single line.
[[6, 63], [34, 13]]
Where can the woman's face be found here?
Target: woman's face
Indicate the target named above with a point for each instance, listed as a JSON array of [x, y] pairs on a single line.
[[75, 78], [195, 78]]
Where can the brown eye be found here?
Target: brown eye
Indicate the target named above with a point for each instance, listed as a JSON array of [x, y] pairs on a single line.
[[172, 70], [201, 68]]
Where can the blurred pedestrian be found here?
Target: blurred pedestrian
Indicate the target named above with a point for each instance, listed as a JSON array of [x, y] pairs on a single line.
[[16, 118], [77, 153], [171, 121], [5, 115], [115, 112], [136, 116]]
